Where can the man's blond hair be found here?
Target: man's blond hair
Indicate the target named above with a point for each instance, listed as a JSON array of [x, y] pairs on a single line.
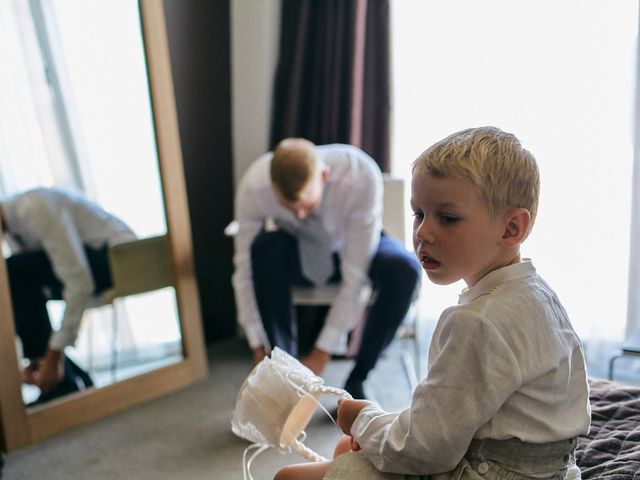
[[505, 173], [293, 166]]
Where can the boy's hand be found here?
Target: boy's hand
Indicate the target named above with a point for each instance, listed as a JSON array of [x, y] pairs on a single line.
[[355, 446], [348, 410]]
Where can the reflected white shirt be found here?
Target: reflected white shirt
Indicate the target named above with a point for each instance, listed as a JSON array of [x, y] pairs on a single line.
[[351, 215], [61, 223], [505, 362]]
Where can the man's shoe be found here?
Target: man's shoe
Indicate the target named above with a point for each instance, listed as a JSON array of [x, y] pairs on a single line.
[[75, 379], [65, 387], [74, 372]]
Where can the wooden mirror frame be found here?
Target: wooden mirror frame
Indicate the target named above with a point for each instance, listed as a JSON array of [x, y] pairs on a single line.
[[21, 426]]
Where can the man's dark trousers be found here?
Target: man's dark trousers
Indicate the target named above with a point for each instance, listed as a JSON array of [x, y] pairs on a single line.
[[394, 274], [33, 282]]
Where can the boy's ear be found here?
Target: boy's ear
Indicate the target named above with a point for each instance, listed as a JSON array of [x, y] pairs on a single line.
[[324, 174], [516, 226]]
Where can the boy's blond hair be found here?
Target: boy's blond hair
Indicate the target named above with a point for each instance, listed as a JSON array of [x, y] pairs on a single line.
[[505, 173], [293, 165]]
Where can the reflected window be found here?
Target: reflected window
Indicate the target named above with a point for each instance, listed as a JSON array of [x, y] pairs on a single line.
[[76, 111], [76, 114]]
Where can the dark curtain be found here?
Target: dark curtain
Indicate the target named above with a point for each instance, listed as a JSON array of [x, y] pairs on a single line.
[[332, 78]]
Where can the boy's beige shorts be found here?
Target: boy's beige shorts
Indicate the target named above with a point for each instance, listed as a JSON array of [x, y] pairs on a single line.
[[355, 466]]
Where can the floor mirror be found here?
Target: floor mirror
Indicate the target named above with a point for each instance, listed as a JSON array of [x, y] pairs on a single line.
[[160, 363]]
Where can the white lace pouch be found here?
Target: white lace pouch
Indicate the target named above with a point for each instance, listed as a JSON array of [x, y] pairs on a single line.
[[275, 404]]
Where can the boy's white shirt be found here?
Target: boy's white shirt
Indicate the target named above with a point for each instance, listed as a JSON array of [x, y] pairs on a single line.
[[351, 211], [505, 362]]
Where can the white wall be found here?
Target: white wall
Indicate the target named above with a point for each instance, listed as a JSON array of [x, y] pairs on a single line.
[[254, 43]]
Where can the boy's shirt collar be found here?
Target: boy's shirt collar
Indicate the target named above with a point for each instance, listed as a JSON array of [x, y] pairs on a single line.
[[496, 278]]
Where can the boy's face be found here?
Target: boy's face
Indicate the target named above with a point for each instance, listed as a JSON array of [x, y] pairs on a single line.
[[454, 235]]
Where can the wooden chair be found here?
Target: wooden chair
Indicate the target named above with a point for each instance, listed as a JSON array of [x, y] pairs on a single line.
[[137, 266]]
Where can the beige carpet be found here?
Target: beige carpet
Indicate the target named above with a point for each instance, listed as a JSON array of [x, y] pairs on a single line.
[[187, 435]]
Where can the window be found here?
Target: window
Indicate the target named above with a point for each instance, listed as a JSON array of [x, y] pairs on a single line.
[[559, 75], [76, 110]]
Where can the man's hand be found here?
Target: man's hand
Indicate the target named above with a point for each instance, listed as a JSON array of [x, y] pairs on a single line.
[[258, 354], [316, 360], [28, 373], [348, 410], [49, 371]]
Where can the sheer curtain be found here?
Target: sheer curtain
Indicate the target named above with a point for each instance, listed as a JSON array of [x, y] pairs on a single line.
[[559, 75], [633, 313], [75, 114], [31, 148]]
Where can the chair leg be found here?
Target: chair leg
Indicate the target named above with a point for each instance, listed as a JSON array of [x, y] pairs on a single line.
[[114, 342], [611, 361]]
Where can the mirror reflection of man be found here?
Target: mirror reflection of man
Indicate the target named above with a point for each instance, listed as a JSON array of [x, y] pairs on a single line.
[[327, 202], [58, 242]]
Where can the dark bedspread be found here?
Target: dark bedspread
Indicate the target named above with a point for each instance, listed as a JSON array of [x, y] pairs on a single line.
[[611, 450]]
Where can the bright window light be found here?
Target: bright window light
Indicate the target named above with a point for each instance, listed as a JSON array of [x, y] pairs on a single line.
[[559, 75]]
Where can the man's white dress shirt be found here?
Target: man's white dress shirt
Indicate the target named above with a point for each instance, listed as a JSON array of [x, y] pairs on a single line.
[[351, 212], [505, 362], [61, 223]]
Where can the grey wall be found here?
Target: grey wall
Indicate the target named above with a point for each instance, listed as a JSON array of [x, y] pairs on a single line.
[[199, 44], [255, 34]]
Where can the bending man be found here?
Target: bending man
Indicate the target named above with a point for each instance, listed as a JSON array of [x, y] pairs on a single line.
[[58, 242], [326, 203]]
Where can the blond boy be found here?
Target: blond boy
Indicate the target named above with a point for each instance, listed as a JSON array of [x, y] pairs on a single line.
[[506, 391]]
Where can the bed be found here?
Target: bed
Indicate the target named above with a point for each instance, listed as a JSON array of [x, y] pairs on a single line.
[[611, 450]]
